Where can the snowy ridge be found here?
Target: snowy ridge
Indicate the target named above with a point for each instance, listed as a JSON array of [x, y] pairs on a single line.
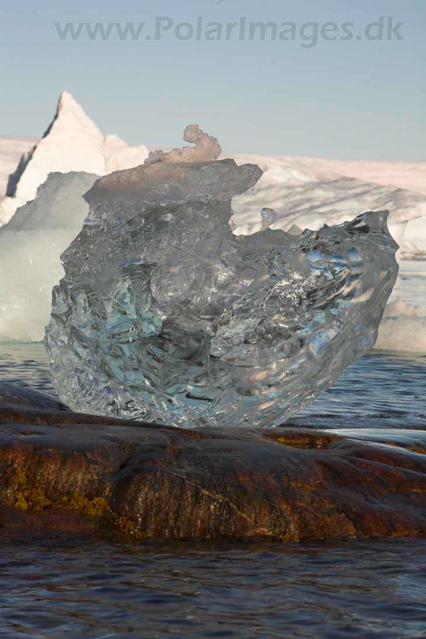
[[303, 199], [405, 175]]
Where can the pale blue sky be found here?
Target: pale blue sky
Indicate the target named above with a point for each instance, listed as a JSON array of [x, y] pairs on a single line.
[[344, 98]]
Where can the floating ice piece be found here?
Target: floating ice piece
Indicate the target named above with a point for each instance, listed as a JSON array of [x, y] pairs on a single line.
[[413, 241], [30, 249], [402, 329], [165, 315], [400, 308]]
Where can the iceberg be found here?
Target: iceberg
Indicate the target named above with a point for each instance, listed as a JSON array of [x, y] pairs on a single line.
[[403, 328], [30, 248], [303, 199], [165, 315], [60, 150], [409, 176], [414, 239]]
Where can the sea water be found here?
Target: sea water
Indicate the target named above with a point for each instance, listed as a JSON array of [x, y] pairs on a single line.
[[98, 590], [70, 587]]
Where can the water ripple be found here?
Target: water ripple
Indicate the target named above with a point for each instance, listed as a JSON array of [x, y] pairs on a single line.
[[371, 589]]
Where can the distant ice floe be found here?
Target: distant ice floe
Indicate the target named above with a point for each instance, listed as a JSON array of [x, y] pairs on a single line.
[[414, 240], [30, 249], [402, 328], [307, 201]]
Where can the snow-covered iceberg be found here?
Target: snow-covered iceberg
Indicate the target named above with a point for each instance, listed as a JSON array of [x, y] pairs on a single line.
[[300, 198], [409, 176], [165, 315], [72, 142]]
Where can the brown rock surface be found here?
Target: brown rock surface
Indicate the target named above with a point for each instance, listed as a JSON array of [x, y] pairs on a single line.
[[63, 472]]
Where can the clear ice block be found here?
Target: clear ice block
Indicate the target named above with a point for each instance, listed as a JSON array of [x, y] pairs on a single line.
[[164, 315]]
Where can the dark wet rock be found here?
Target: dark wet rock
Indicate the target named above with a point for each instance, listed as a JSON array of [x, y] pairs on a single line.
[[67, 473], [10, 394]]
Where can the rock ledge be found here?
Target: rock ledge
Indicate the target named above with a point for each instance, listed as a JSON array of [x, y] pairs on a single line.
[[68, 473]]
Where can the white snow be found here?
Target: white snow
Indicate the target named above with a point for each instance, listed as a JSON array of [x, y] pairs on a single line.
[[303, 199], [404, 175], [72, 142]]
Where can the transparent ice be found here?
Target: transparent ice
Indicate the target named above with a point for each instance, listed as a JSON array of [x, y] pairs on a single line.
[[164, 315]]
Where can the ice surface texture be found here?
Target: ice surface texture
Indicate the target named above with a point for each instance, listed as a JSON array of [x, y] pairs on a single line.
[[206, 148], [165, 315]]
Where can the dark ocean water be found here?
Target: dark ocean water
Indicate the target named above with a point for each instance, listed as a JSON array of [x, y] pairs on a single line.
[[75, 588], [98, 590]]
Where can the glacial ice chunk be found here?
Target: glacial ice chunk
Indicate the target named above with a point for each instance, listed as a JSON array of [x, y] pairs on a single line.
[[206, 148], [165, 315], [30, 248]]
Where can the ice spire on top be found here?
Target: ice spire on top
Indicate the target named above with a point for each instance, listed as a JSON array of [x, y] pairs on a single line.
[[72, 142], [70, 114]]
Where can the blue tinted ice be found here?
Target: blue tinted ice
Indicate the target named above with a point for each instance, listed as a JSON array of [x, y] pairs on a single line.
[[165, 316]]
